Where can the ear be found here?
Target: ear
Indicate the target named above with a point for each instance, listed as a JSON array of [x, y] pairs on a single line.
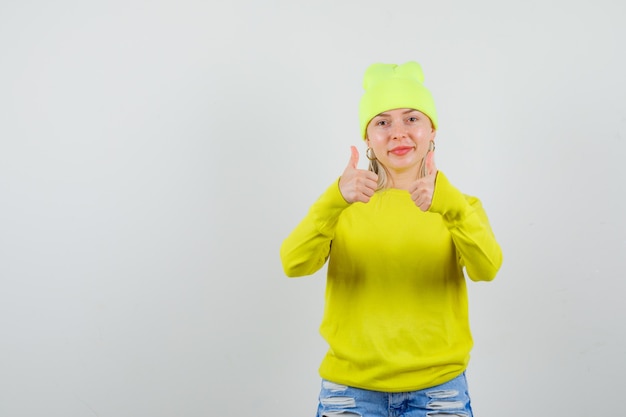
[[433, 135]]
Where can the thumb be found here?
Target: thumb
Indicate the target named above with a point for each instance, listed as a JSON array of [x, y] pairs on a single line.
[[354, 157], [431, 168]]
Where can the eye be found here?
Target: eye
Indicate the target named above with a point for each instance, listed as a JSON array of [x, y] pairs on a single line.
[[381, 123], [413, 119]]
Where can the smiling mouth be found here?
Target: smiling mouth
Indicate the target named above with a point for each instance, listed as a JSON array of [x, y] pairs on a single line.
[[401, 150]]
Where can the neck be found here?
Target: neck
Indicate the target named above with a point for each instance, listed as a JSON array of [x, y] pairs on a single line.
[[402, 180]]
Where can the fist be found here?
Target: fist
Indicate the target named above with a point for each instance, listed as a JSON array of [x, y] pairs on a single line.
[[357, 184], [423, 189]]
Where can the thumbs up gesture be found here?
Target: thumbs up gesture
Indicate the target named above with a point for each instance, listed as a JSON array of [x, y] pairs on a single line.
[[423, 189], [357, 184]]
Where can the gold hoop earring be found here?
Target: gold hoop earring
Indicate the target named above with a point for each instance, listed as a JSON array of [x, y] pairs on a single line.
[[369, 153]]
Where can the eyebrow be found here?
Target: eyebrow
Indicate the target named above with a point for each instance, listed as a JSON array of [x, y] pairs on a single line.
[[383, 114]]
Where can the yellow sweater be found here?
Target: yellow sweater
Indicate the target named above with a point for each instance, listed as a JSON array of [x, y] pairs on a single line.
[[396, 315]]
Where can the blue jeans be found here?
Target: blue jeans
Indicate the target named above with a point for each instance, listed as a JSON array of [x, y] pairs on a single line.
[[445, 400]]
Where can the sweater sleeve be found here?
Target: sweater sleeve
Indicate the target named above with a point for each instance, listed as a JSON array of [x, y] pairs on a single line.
[[467, 222], [307, 248]]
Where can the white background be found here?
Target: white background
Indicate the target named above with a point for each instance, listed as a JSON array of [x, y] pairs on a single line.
[[154, 155]]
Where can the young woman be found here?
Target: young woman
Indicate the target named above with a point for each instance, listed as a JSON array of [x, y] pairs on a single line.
[[398, 238]]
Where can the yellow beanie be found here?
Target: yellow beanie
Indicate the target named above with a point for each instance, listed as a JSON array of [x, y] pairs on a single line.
[[391, 86]]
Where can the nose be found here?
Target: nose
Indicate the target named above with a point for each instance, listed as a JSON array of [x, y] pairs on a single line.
[[398, 131]]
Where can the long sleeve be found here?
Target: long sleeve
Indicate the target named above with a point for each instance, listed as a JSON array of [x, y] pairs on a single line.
[[306, 249], [471, 233], [396, 313]]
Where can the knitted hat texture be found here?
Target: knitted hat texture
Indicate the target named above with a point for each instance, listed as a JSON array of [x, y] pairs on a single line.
[[391, 86]]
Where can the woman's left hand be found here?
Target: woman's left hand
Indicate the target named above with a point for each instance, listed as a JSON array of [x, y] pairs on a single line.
[[423, 189]]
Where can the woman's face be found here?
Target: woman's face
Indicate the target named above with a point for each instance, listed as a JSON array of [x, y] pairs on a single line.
[[400, 139]]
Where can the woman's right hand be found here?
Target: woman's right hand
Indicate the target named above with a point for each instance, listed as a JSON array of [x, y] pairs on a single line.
[[357, 184]]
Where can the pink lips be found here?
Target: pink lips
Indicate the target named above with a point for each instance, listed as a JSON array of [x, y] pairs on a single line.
[[401, 150]]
